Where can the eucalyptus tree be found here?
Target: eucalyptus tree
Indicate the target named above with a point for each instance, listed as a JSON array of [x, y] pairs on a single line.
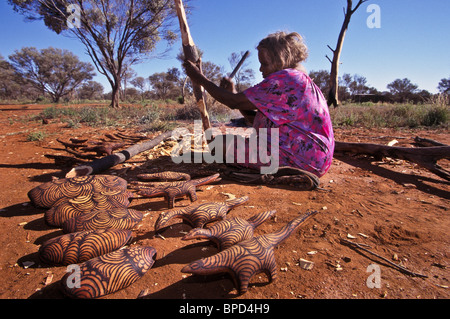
[[52, 71], [116, 33]]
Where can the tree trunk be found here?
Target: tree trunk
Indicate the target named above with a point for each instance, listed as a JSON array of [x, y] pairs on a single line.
[[333, 94], [115, 97], [426, 157], [191, 54], [102, 164]]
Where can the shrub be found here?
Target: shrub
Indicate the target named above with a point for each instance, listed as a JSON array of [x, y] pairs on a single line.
[[36, 136], [437, 115]]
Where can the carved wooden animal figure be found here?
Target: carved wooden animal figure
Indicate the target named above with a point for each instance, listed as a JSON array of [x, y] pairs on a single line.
[[78, 247], [230, 231], [117, 218], [173, 190], [247, 258], [109, 273], [199, 215], [49, 194], [58, 214], [165, 176]]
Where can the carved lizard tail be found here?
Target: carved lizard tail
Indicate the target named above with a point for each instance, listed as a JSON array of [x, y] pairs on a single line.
[[207, 180], [231, 203], [150, 192], [260, 218], [197, 233], [279, 236]]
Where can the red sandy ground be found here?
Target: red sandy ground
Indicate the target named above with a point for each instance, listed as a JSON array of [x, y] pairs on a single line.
[[401, 209]]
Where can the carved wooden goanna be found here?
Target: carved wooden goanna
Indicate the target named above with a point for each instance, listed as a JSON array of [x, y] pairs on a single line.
[[230, 231], [247, 258], [199, 215], [172, 190]]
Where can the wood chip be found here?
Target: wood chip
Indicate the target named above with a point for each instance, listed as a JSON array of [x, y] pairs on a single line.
[[48, 280], [306, 264], [392, 143], [230, 196], [27, 264]]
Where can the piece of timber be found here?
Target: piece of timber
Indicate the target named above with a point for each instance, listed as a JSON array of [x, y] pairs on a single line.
[[109, 161], [191, 54]]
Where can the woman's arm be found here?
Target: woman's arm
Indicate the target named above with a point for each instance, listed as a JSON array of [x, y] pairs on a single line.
[[231, 99]]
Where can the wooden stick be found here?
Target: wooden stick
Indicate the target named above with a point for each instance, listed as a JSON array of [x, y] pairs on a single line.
[[401, 268], [238, 66], [109, 161], [426, 157], [191, 54], [426, 142]]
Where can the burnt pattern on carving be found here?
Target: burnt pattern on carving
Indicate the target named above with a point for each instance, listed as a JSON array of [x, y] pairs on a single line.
[[111, 272], [117, 218], [229, 232], [78, 247], [49, 194], [199, 215], [58, 214], [247, 258], [172, 190]]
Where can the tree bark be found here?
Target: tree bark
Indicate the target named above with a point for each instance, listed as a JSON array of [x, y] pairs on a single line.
[[191, 54], [426, 157], [109, 161], [115, 95], [333, 94]]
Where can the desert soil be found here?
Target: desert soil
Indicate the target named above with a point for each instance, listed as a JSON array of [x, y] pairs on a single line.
[[396, 208]]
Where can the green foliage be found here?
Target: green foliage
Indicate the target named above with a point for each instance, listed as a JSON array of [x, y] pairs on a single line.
[[437, 115], [391, 115], [115, 33], [36, 136], [51, 71]]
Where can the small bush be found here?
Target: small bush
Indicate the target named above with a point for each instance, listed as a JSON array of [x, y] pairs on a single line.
[[189, 112], [437, 115], [392, 115], [36, 136]]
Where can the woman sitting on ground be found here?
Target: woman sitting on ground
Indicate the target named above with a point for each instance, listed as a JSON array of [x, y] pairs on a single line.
[[287, 99]]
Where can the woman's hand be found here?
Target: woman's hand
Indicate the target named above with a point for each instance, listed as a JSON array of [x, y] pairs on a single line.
[[227, 84], [193, 71]]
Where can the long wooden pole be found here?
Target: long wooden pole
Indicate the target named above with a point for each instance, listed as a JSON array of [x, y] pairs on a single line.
[[191, 54], [104, 163]]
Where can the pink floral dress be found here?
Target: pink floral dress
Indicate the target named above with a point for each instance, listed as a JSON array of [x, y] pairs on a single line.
[[289, 100]]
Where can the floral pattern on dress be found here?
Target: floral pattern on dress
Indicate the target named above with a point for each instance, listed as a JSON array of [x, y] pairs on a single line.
[[290, 101]]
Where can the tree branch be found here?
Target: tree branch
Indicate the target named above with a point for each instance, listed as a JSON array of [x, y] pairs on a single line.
[[401, 268]]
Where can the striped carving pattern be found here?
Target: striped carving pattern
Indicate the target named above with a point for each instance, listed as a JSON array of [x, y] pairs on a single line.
[[248, 257], [164, 176], [49, 194], [117, 218], [58, 214], [78, 247], [110, 273], [199, 215], [230, 231], [172, 190]]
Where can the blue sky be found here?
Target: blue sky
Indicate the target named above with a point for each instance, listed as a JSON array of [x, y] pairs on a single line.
[[413, 41]]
